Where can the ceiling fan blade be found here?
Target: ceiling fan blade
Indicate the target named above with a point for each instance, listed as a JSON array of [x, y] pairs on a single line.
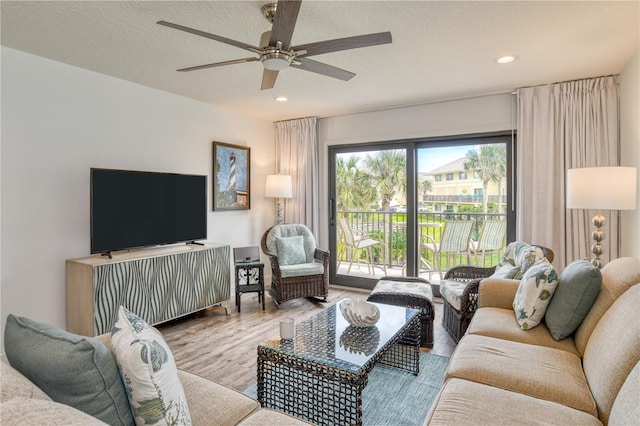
[[219, 64], [211, 36], [284, 22], [346, 43], [268, 79], [324, 69]]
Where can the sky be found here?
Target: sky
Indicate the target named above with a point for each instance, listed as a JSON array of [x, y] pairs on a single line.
[[429, 158]]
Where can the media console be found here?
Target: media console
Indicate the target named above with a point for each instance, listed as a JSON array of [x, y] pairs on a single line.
[[158, 284]]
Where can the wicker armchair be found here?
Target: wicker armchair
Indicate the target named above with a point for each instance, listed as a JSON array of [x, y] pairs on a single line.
[[298, 267], [457, 321]]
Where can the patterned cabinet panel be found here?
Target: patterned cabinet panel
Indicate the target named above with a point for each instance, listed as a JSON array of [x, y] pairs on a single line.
[[157, 287]]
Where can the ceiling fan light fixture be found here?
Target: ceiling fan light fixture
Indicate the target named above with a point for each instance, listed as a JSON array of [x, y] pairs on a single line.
[[276, 61]]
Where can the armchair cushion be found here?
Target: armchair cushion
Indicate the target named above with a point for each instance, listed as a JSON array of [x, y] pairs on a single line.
[[291, 230], [452, 292], [578, 287], [290, 250], [302, 270], [534, 293]]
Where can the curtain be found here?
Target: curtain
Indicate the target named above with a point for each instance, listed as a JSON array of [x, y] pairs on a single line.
[[297, 156], [563, 126]]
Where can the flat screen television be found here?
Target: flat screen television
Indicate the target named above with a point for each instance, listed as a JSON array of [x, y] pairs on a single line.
[[132, 209]]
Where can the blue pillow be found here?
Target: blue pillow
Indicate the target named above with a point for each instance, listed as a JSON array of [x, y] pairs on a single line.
[[578, 287], [291, 250], [74, 370]]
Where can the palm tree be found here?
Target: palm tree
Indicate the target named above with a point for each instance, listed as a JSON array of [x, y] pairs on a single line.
[[353, 185], [388, 171], [489, 161], [425, 187]]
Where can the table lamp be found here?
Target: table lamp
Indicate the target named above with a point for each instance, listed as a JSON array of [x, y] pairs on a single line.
[[278, 186], [609, 188]]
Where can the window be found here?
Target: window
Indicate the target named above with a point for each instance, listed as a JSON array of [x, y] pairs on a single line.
[[438, 178], [449, 207], [449, 176], [462, 176], [476, 174], [438, 208]]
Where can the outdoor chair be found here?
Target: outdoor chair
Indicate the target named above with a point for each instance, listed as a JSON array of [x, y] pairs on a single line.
[[454, 242], [459, 289], [298, 267], [491, 239], [356, 243]]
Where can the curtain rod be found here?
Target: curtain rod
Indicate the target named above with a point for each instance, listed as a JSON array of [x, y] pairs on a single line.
[[437, 101]]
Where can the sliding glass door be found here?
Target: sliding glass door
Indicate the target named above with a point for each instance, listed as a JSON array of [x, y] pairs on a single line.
[[395, 206]]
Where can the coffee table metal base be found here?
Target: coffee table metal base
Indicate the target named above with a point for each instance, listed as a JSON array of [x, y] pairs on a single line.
[[323, 394]]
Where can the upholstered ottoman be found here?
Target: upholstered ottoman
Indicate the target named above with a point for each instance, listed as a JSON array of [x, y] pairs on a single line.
[[410, 292]]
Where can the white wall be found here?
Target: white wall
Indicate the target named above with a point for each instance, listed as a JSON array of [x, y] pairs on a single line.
[[484, 114], [630, 150], [57, 122]]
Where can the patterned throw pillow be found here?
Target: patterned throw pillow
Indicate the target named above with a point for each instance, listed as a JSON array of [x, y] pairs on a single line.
[[291, 250], [149, 372], [534, 294], [519, 254]]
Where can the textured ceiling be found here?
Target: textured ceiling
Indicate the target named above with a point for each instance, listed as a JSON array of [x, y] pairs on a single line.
[[440, 50]]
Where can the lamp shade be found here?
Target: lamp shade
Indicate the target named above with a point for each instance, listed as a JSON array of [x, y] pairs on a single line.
[[608, 188], [278, 186]]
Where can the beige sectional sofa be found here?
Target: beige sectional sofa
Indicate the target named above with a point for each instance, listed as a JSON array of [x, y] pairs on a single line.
[[23, 403], [501, 374]]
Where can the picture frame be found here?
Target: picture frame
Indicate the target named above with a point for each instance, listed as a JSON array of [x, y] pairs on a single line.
[[231, 177]]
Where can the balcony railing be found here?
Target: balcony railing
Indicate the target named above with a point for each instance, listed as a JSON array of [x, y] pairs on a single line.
[[477, 199], [390, 229]]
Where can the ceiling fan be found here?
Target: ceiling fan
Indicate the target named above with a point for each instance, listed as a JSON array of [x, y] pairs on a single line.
[[276, 52]]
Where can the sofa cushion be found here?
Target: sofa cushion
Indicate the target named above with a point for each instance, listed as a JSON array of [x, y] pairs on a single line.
[[290, 250], [75, 370], [626, 410], [26, 411], [206, 397], [267, 417], [501, 324], [618, 276], [578, 287], [462, 402], [546, 373], [613, 350], [148, 371], [15, 385], [534, 293]]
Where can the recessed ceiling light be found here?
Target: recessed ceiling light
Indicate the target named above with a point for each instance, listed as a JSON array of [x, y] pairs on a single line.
[[506, 59], [281, 99]]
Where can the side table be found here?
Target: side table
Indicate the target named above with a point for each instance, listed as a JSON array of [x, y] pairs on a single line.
[[249, 279]]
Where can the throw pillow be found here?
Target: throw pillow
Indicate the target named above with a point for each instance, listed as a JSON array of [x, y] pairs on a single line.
[[291, 250], [520, 255], [74, 370], [149, 372], [534, 293], [578, 287], [506, 271]]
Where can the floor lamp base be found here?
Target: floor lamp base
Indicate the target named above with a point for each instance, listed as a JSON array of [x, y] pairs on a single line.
[[598, 236]]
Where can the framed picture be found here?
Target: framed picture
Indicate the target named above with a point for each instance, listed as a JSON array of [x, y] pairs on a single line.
[[231, 172]]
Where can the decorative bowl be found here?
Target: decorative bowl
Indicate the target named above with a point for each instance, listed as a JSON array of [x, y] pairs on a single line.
[[359, 313]]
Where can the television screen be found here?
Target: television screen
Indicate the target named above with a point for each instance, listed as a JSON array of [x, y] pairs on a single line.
[[139, 209]]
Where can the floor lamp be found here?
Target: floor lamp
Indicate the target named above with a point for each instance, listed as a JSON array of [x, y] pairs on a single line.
[[608, 188], [278, 186]]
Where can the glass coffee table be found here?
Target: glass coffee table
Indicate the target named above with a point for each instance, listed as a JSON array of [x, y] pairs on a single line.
[[319, 375]]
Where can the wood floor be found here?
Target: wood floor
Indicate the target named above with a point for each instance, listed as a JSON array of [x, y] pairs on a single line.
[[222, 347]]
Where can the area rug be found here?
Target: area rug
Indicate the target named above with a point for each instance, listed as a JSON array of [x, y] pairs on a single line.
[[396, 397]]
